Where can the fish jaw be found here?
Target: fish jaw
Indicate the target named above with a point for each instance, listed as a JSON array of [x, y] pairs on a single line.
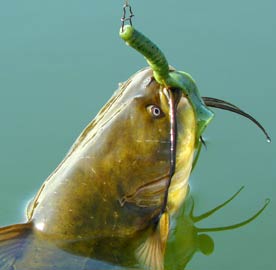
[[185, 148]]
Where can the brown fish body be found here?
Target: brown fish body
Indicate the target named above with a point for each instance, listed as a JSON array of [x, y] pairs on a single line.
[[102, 199]]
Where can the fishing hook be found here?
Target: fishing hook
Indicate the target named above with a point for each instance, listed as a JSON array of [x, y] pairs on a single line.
[[126, 10]]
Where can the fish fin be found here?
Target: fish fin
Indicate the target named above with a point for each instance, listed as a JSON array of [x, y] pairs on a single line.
[[12, 241], [150, 254]]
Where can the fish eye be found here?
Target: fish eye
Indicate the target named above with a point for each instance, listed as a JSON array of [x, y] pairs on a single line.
[[155, 111]]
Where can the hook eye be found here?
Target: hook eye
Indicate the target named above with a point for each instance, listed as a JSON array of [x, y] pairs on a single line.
[[155, 111]]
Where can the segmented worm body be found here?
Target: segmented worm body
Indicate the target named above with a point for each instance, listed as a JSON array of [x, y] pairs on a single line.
[[154, 56]]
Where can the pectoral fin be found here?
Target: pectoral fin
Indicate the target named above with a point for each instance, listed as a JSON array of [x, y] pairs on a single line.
[[12, 241], [150, 254]]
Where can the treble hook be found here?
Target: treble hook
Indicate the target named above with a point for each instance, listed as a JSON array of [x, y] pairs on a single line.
[[126, 9]]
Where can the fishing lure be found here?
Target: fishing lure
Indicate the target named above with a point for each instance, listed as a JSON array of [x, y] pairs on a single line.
[[168, 78], [176, 79]]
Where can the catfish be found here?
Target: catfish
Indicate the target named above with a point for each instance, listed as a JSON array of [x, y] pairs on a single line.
[[111, 201], [103, 200]]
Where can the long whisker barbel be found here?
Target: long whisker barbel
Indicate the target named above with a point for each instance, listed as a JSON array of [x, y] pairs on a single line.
[[224, 105], [126, 9]]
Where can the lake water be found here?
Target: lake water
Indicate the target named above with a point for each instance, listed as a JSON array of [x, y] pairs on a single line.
[[60, 61]]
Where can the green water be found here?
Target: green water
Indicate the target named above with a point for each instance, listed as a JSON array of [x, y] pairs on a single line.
[[61, 60]]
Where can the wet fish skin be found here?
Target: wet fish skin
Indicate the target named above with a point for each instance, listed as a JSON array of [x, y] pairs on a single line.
[[79, 208]]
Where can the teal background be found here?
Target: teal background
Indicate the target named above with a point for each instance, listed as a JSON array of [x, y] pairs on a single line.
[[60, 61]]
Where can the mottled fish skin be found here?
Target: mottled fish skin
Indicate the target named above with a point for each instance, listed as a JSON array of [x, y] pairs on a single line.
[[80, 208]]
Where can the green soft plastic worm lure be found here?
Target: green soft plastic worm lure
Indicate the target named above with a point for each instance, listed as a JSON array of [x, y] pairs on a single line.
[[166, 77]]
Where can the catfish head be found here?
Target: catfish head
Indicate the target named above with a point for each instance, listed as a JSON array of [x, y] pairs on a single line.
[[105, 198]]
